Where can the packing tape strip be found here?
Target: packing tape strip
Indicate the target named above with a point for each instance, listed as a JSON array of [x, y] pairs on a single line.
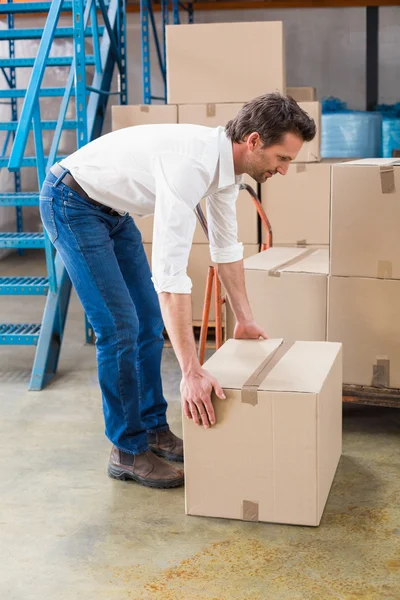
[[250, 511], [276, 271], [250, 387], [301, 243], [211, 110], [385, 269], [144, 108], [381, 373], [387, 179], [300, 167]]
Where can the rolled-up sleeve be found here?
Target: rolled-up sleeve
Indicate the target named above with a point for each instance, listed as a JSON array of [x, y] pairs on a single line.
[[181, 183], [222, 226]]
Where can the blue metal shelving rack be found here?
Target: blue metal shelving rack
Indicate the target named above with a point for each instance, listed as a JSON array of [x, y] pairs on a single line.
[[109, 50], [148, 28]]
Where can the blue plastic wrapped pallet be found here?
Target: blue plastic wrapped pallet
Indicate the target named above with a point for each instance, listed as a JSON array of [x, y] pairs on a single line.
[[390, 136], [390, 128], [349, 133]]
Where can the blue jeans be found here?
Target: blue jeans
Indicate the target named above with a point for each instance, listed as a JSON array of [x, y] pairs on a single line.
[[105, 259]]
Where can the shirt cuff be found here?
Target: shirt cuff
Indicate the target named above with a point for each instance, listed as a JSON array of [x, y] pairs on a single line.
[[181, 284], [227, 255]]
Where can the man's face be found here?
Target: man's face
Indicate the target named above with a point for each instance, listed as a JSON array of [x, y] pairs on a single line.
[[263, 163]]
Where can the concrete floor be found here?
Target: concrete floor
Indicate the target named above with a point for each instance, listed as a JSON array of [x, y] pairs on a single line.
[[67, 531]]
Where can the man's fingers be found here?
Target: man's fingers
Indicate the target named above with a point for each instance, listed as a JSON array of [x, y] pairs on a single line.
[[195, 414], [263, 334], [186, 410], [218, 389], [209, 408], [204, 417]]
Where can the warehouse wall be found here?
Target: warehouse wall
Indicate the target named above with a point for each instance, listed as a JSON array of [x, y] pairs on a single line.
[[325, 48]]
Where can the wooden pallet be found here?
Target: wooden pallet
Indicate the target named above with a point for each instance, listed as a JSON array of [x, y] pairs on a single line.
[[210, 343], [371, 396]]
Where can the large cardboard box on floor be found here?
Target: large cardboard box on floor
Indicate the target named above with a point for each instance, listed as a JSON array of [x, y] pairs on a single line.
[[287, 291], [143, 114], [364, 314], [199, 261], [365, 219], [302, 94], [215, 62], [298, 204], [311, 151], [246, 214], [274, 450]]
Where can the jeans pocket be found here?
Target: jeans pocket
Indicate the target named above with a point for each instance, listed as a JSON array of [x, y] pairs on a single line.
[[48, 218]]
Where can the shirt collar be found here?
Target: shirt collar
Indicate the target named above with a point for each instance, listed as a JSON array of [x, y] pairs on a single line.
[[226, 168]]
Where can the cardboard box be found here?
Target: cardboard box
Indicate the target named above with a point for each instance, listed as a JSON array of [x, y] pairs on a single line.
[[287, 291], [302, 94], [311, 151], [215, 62], [143, 114], [208, 115], [246, 214], [365, 219], [363, 313], [298, 204], [274, 450], [199, 261]]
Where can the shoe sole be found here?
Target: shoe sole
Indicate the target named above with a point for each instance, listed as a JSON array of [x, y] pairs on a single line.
[[167, 455], [122, 475]]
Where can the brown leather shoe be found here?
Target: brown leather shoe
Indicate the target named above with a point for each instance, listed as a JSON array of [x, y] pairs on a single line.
[[166, 444], [145, 468]]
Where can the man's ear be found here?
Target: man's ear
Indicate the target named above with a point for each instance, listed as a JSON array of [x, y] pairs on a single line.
[[253, 141]]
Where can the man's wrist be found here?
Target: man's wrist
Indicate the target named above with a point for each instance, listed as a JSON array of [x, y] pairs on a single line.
[[191, 367]]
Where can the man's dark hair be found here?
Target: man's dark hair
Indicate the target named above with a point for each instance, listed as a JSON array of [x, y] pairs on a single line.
[[271, 116]]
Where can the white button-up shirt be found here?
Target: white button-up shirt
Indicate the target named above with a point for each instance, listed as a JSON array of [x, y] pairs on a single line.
[[166, 170]]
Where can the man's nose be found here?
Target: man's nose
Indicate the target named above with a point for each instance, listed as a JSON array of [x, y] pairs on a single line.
[[282, 170]]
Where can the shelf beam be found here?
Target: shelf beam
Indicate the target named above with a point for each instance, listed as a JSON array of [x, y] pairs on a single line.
[[275, 4]]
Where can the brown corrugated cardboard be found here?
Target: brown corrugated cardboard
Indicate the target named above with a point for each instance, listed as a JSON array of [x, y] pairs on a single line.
[[143, 114], [311, 151], [208, 115], [215, 62], [298, 204], [274, 458], [302, 94], [365, 219], [199, 261], [363, 313], [287, 291], [246, 214]]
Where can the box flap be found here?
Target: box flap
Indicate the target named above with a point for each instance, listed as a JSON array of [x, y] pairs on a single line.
[[373, 162], [317, 262], [237, 360], [303, 368], [290, 260], [272, 258]]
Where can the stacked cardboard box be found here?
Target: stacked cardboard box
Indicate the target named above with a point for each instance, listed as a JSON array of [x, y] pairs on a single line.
[[287, 291], [143, 114], [364, 283], [302, 94], [216, 63], [274, 450], [298, 204]]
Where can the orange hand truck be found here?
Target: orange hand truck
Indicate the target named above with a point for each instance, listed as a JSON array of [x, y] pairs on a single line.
[[213, 280]]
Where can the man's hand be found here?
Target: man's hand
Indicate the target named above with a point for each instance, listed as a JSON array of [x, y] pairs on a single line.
[[249, 331], [196, 388]]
